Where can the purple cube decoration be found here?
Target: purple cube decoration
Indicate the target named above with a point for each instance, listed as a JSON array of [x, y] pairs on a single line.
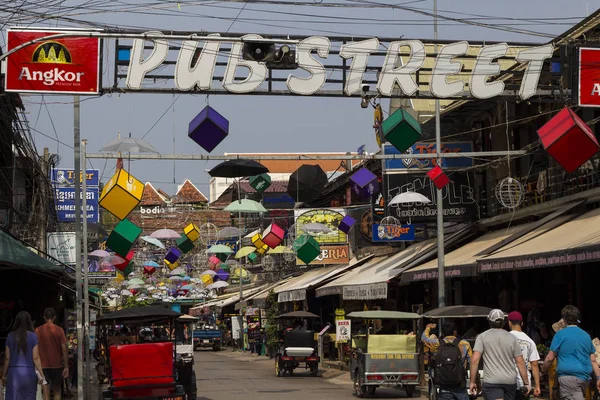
[[173, 255], [346, 224], [364, 183], [208, 129]]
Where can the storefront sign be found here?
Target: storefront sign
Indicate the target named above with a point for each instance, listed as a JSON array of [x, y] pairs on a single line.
[[331, 255], [553, 259], [188, 75], [61, 246], [343, 330], [277, 200], [329, 217], [66, 65], [393, 233], [292, 295], [156, 210], [432, 274], [65, 204], [66, 177], [101, 269], [589, 78], [429, 148], [371, 291]]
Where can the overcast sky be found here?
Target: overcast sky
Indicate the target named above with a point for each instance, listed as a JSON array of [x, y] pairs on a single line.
[[264, 123]]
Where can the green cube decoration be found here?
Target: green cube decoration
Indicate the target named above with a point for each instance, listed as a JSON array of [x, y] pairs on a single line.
[[252, 257], [401, 130], [128, 270], [261, 182], [306, 248], [184, 244], [222, 256], [122, 238]]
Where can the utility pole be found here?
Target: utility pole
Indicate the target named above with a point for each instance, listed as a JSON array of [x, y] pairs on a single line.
[[44, 222], [86, 290], [78, 230], [439, 199]]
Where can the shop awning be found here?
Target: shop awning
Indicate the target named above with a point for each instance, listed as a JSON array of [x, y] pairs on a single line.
[[14, 254], [259, 298], [567, 241], [370, 281]]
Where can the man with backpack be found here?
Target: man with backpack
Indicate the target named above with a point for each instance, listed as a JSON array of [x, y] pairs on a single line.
[[449, 362]]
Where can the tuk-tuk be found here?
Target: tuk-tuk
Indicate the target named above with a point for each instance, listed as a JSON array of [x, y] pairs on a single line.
[[384, 359], [147, 355], [298, 347]]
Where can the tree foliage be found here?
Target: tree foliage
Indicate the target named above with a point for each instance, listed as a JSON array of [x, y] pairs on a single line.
[[272, 330]]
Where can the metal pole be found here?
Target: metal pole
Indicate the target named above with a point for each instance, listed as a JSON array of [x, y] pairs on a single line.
[[86, 290], [78, 229], [439, 199]]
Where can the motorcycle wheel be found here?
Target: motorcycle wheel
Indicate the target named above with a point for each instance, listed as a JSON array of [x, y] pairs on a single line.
[[359, 388]]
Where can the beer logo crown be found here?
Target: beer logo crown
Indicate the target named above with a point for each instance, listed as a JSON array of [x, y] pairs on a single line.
[[51, 52]]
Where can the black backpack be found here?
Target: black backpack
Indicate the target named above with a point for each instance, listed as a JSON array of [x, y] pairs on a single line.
[[449, 365]]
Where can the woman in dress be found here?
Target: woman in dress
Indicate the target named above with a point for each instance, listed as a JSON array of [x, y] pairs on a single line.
[[22, 360]]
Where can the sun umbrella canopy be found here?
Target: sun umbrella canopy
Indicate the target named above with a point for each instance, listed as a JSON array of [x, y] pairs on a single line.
[[280, 250], [307, 183], [245, 251], [136, 281], [151, 264], [238, 168], [209, 272], [165, 234], [217, 285], [153, 241], [99, 253], [178, 271], [409, 197], [219, 249], [298, 314], [458, 312], [245, 206], [229, 232], [129, 145]]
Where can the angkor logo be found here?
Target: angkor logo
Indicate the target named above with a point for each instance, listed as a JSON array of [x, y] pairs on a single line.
[[52, 53]]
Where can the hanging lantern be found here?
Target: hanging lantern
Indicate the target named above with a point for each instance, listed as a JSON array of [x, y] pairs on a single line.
[[122, 238], [273, 235], [401, 130], [364, 183], [439, 178], [121, 194], [306, 248], [208, 129], [173, 255], [192, 232], [184, 244], [568, 139], [260, 183], [346, 224]]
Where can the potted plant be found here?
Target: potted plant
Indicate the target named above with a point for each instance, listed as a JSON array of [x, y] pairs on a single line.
[[271, 329]]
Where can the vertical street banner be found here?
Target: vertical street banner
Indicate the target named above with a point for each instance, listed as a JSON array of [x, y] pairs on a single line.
[[342, 330]]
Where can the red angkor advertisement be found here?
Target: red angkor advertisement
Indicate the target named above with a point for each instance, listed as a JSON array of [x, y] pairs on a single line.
[[65, 65]]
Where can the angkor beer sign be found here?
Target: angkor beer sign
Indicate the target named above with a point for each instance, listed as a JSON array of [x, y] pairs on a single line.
[[66, 65], [194, 71]]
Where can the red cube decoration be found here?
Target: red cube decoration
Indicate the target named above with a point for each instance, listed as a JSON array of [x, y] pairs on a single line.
[[439, 178], [213, 261], [273, 235], [568, 139], [149, 269], [122, 266]]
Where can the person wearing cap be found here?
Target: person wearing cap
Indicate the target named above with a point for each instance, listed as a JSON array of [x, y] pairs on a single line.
[[576, 357], [528, 350], [501, 351]]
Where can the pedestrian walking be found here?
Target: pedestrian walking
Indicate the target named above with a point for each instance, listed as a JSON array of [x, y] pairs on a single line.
[[501, 350], [53, 354], [450, 361], [576, 357], [529, 352], [22, 366]]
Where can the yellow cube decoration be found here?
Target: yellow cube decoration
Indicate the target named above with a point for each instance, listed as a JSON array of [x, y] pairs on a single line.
[[172, 266], [121, 194], [257, 241], [192, 232], [263, 249]]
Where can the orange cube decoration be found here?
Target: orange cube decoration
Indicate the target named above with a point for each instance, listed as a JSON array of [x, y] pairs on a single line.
[[273, 235], [568, 139], [121, 194], [439, 178]]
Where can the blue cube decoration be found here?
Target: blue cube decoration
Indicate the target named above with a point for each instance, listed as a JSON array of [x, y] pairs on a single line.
[[173, 255], [346, 224], [364, 183], [208, 129]]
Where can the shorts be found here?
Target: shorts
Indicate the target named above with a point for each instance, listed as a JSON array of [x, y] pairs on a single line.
[[53, 377], [572, 388], [493, 391]]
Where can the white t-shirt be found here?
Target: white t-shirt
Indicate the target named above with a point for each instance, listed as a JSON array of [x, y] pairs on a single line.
[[529, 352]]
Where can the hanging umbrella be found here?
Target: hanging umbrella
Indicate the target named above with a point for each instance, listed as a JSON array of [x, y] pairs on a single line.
[[409, 197], [245, 251], [237, 168], [281, 250], [229, 232], [177, 271], [151, 264], [136, 281], [115, 260], [208, 272], [307, 183], [217, 285], [165, 234], [245, 206], [230, 263], [314, 228], [223, 275], [125, 293], [135, 286], [129, 145], [187, 287], [219, 249], [99, 253], [153, 241], [175, 278]]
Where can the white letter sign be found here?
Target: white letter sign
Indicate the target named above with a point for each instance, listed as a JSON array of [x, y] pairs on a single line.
[[484, 68], [444, 66], [535, 56], [390, 74], [258, 71], [359, 53], [188, 76], [306, 61], [138, 67]]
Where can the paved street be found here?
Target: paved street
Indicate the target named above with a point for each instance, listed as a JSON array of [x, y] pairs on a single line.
[[227, 375]]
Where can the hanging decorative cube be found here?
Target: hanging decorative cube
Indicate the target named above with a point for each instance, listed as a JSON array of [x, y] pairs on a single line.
[[346, 224], [568, 139], [222, 257], [128, 270], [126, 260], [257, 241], [401, 130], [208, 129], [149, 269], [439, 178], [192, 232], [122, 238], [214, 260], [252, 257], [173, 255], [171, 265], [260, 183], [184, 244], [121, 194], [306, 248], [262, 250], [273, 235], [364, 183]]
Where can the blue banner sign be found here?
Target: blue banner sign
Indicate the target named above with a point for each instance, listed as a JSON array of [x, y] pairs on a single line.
[[429, 148], [393, 233], [65, 204], [66, 177]]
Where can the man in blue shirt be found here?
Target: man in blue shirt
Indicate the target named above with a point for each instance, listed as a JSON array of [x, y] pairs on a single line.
[[576, 357]]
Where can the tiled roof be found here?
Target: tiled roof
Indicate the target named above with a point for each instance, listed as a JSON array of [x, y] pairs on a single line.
[[189, 194], [275, 187], [151, 197], [163, 194]]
